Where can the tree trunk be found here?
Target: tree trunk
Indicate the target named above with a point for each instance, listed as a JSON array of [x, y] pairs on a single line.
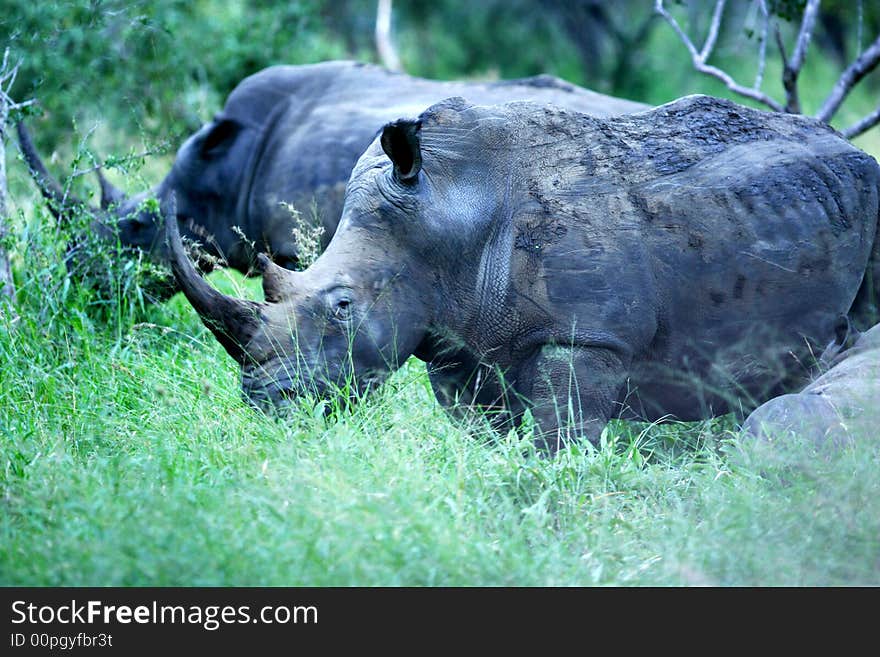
[[384, 44]]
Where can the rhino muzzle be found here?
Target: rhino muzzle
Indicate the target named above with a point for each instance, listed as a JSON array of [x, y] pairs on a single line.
[[299, 342]]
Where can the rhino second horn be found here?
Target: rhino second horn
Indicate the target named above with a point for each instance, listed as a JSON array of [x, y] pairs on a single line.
[[61, 202], [110, 195], [234, 322], [278, 282]]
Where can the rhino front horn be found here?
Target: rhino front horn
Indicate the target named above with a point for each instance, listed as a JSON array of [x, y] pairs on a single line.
[[110, 195], [234, 322]]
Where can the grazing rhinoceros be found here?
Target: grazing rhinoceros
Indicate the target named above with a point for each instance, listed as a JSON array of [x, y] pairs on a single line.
[[839, 407], [292, 134], [676, 262]]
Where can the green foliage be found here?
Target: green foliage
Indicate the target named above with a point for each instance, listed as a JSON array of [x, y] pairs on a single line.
[[787, 9], [157, 69], [160, 66], [445, 40]]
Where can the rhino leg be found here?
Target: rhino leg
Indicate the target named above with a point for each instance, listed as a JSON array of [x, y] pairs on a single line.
[[463, 385], [866, 306], [572, 391]]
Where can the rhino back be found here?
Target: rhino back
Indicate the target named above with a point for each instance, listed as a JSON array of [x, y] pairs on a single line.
[[761, 227], [711, 239], [768, 229], [332, 111]]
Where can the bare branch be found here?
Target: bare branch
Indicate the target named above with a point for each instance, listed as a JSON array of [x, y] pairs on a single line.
[[867, 61], [713, 30], [699, 62], [384, 45], [864, 64], [8, 77], [780, 44], [7, 80], [7, 73], [22, 105], [12, 106], [787, 79], [805, 35], [5, 64], [793, 66], [864, 125], [669, 18]]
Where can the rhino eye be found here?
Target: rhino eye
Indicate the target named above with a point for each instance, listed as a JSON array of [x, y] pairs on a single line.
[[342, 310]]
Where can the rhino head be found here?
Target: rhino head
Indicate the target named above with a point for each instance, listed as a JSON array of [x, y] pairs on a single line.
[[203, 183], [373, 298], [343, 324], [202, 190]]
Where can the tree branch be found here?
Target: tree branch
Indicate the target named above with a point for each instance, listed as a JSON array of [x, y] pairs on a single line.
[[805, 35], [699, 58], [864, 125], [4, 66], [7, 79], [867, 61], [669, 18], [864, 64], [12, 106], [794, 65], [117, 161], [714, 28]]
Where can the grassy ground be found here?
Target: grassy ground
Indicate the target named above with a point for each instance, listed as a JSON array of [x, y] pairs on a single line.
[[128, 458]]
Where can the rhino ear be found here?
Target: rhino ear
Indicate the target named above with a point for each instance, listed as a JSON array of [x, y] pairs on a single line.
[[400, 141], [220, 137]]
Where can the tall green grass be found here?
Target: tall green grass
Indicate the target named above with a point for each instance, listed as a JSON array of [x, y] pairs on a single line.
[[127, 457]]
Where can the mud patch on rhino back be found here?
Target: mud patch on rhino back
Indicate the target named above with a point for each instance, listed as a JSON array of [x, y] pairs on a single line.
[[537, 234], [666, 157]]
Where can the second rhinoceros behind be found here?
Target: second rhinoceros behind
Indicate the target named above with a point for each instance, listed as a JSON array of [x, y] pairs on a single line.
[[839, 407], [288, 137], [677, 262]]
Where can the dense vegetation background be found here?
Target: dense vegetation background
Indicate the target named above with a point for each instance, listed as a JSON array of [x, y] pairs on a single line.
[[160, 68], [127, 456]]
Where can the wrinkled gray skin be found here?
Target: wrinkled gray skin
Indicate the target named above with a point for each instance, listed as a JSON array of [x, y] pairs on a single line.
[[839, 407], [679, 262], [293, 134]]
